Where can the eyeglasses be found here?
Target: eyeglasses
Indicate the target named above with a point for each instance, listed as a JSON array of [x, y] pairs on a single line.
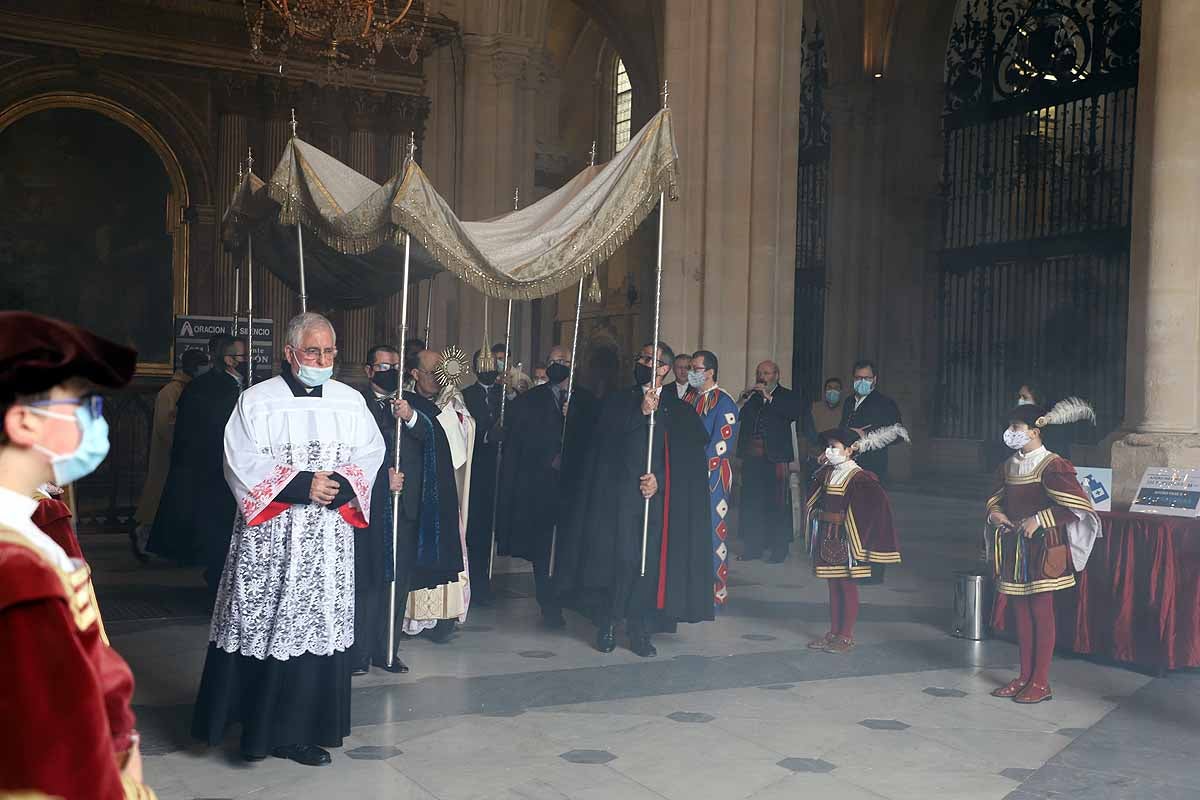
[[378, 367], [566, 362], [94, 403], [648, 360], [314, 353]]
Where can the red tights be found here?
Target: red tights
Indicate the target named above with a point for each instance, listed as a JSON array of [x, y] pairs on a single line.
[[843, 606], [1035, 635]]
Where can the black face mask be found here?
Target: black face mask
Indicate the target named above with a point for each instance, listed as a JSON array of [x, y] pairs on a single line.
[[557, 373], [642, 374], [488, 377], [243, 368], [388, 380]]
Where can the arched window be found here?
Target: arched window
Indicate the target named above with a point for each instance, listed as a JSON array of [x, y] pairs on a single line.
[[622, 106]]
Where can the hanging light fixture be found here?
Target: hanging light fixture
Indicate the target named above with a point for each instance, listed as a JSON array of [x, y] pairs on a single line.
[[342, 33]]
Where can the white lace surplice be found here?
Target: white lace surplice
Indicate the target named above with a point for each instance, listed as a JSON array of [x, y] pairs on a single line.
[[288, 584]]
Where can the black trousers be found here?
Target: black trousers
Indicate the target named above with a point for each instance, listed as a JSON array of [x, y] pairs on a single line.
[[371, 589], [765, 519]]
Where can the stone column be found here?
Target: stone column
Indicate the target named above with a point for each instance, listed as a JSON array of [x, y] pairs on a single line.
[[729, 252], [235, 104], [1162, 382]]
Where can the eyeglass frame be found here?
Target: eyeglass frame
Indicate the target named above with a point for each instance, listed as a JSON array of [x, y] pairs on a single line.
[[304, 353], [640, 358], [93, 402]]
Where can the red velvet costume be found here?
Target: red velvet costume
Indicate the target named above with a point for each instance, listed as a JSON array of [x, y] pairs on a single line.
[[1041, 486], [849, 518], [53, 517], [67, 723]]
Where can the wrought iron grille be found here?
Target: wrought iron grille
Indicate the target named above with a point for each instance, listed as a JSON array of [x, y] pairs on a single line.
[[1037, 190], [812, 217], [106, 499]]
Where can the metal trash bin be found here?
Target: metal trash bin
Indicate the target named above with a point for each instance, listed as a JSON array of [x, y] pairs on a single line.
[[972, 606]]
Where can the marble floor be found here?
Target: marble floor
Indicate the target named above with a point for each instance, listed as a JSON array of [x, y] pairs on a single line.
[[738, 708]]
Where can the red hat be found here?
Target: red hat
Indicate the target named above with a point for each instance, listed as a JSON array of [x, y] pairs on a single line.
[[38, 353]]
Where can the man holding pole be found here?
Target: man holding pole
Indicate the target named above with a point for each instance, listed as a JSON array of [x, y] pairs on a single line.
[[598, 563]]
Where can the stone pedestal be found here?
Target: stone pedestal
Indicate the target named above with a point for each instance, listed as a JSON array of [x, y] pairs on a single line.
[[1162, 391]]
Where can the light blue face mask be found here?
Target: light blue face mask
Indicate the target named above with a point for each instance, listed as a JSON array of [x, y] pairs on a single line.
[[92, 450], [696, 378], [863, 386], [832, 396], [312, 377]]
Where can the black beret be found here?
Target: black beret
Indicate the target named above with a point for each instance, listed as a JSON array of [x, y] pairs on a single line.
[[844, 435], [38, 353], [1028, 414]]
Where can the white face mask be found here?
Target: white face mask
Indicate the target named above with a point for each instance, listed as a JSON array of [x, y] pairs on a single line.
[[1024, 401], [835, 457], [1016, 439]]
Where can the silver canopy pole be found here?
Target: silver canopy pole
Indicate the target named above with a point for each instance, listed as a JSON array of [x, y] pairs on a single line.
[[391, 645], [300, 237], [562, 443], [503, 403], [249, 290], [654, 347], [429, 312], [237, 273]]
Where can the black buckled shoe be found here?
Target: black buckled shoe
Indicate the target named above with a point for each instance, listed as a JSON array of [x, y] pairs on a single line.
[[307, 754], [398, 667], [606, 639], [360, 669]]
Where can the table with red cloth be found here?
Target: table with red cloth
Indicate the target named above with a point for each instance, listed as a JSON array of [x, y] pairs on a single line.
[[1138, 601]]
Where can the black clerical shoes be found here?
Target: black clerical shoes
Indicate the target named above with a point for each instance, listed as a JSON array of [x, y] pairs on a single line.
[[361, 669], [307, 754], [398, 667], [606, 639], [640, 645]]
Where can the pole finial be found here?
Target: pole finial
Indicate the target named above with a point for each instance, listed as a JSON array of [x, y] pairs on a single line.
[[516, 198], [249, 159], [592, 156], [293, 123], [241, 174], [665, 94], [412, 145]]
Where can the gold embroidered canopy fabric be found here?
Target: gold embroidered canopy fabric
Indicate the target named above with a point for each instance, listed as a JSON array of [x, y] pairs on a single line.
[[530, 253]]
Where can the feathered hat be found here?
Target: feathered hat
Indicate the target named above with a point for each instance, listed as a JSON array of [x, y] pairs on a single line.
[[881, 438], [844, 435], [1071, 409]]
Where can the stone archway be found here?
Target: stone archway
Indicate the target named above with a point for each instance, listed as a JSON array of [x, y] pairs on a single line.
[[66, 115]]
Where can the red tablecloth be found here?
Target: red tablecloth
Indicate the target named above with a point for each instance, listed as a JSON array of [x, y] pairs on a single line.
[[1139, 598]]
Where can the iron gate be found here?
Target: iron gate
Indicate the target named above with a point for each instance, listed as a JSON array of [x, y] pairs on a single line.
[[812, 219], [1038, 175]]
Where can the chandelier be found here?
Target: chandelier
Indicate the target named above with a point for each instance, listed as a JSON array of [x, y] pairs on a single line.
[[342, 33]]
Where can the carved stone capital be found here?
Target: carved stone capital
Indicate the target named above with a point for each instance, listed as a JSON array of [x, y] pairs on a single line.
[[406, 110], [235, 93]]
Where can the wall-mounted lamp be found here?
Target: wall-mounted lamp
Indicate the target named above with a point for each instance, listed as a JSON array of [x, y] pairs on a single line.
[[879, 21]]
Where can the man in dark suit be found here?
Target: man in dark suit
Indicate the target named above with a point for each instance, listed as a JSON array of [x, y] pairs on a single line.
[[373, 562], [765, 448], [195, 518], [483, 401], [539, 472], [869, 410]]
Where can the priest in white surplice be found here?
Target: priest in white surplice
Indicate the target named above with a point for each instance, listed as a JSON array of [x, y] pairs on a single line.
[[301, 454]]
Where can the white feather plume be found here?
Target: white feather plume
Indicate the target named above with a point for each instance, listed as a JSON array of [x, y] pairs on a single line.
[[881, 438], [1072, 409]]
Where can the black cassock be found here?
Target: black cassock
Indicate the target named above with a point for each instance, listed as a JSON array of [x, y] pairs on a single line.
[[535, 484], [599, 554], [876, 411], [373, 544], [484, 404], [195, 517], [436, 551]]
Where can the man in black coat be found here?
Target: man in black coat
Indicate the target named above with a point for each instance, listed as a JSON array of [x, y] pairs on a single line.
[[373, 563], [765, 448], [483, 401], [539, 471], [598, 563], [869, 410], [195, 518]]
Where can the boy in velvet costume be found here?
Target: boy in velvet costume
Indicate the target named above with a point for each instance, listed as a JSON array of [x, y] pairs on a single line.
[[68, 730], [1041, 529], [850, 518]]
